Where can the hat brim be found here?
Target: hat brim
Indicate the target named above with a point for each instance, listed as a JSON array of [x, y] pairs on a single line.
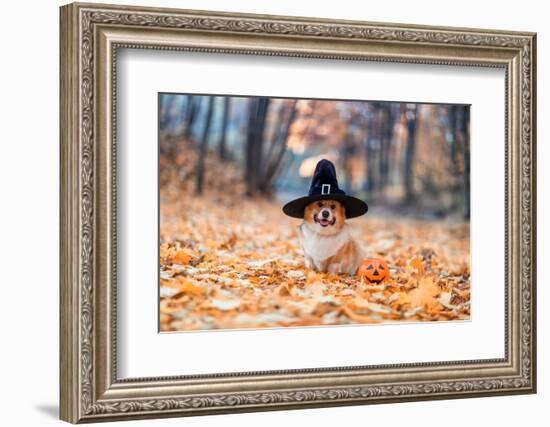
[[354, 206]]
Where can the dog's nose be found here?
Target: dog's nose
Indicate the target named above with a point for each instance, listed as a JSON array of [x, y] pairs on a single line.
[[325, 214]]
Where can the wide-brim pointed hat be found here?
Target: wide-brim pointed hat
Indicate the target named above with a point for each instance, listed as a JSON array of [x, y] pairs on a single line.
[[324, 185]]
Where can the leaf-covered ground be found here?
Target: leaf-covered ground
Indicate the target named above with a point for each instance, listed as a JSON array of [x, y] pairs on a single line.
[[228, 262]]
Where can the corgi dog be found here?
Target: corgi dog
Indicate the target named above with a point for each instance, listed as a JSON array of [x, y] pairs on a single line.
[[327, 240]]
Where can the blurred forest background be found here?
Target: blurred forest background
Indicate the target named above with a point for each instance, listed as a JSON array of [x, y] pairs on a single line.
[[230, 258], [408, 159]]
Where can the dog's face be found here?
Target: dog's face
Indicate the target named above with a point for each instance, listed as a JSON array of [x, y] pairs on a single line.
[[325, 216]]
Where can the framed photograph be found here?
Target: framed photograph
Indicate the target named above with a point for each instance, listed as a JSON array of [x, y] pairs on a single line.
[[257, 196], [266, 212]]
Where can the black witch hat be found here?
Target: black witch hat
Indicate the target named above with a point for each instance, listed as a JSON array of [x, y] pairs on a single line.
[[325, 186]]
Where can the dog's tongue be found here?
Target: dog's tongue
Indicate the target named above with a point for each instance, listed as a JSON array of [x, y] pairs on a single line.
[[324, 222]]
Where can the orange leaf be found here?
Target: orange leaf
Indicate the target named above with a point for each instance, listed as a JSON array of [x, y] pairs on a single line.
[[425, 294], [284, 289], [165, 318], [360, 318], [313, 277], [181, 257], [190, 289], [416, 262]]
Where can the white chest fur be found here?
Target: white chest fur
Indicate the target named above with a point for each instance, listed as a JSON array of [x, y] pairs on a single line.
[[321, 247]]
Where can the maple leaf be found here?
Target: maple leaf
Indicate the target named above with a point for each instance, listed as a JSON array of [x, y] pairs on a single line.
[[425, 294]]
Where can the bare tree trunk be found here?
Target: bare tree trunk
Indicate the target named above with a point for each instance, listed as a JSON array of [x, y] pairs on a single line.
[[225, 123], [466, 152], [409, 152], [379, 148], [371, 173], [203, 146], [190, 114], [372, 136], [454, 144], [249, 146], [259, 163], [276, 134], [166, 105], [278, 150], [386, 140], [254, 150]]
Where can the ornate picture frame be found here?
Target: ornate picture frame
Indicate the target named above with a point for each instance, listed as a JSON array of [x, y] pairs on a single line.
[[90, 37]]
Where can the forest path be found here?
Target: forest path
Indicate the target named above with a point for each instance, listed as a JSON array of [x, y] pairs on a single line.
[[228, 263]]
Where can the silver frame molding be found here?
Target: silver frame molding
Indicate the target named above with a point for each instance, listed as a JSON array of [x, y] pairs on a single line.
[[90, 37]]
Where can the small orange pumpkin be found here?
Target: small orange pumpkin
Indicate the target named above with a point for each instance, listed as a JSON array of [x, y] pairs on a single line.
[[373, 270]]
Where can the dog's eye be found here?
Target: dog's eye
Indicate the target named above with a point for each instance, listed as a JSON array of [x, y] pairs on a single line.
[[320, 204], [333, 207]]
